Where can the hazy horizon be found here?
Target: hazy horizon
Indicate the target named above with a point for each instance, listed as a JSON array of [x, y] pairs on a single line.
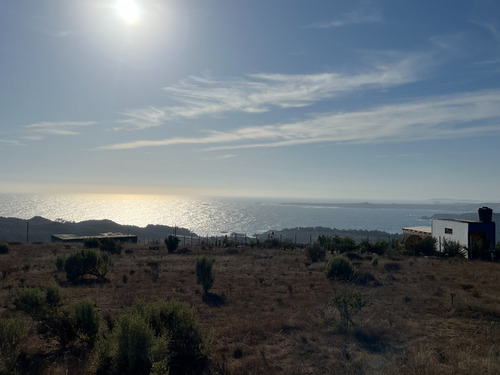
[[331, 100]]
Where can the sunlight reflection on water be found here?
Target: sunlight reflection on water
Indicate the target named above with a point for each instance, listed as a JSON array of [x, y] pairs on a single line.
[[205, 215]]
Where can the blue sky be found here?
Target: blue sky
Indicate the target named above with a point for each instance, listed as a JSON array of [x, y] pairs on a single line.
[[389, 100]]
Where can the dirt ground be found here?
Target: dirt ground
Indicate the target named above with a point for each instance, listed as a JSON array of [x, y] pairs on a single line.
[[270, 311]]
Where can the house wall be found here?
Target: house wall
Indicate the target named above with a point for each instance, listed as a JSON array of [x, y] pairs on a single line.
[[450, 230]]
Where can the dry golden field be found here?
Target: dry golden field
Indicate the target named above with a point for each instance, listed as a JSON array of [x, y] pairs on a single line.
[[271, 312]]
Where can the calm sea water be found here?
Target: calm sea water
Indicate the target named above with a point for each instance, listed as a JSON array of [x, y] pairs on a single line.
[[207, 216]]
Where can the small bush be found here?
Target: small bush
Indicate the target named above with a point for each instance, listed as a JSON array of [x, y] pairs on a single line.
[[87, 320], [315, 253], [348, 303], [172, 243], [46, 308], [86, 262], [91, 243], [110, 245], [158, 338], [426, 246], [339, 268], [204, 272], [60, 260], [453, 249], [12, 334], [4, 248]]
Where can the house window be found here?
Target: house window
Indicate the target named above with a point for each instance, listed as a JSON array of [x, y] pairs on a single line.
[[448, 231]]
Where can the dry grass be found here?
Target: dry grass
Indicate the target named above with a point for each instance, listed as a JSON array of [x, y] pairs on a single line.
[[267, 310]]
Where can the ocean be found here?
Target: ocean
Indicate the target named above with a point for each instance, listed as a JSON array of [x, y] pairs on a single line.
[[212, 216]]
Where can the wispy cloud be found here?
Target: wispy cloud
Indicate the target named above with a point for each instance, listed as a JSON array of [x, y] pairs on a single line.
[[263, 92], [443, 117], [59, 128], [59, 33], [355, 17]]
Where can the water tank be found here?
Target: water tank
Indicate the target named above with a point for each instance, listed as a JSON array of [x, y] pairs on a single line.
[[485, 214]]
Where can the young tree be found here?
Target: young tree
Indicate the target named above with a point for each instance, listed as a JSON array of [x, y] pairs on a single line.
[[204, 272], [172, 242]]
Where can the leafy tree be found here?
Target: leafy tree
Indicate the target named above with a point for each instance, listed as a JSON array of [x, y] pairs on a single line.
[[204, 272], [172, 243]]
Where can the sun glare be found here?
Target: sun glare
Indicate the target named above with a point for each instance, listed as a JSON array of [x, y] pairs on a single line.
[[128, 10]]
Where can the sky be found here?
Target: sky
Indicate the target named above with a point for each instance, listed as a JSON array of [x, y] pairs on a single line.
[[382, 100]]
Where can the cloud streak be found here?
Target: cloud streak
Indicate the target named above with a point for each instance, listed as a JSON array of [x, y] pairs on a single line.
[[59, 128], [442, 117], [259, 93], [355, 17]]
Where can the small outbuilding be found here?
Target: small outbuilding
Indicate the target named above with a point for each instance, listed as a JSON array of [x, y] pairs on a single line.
[[71, 238]]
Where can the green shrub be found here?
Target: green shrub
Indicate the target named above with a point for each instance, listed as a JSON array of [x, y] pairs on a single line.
[[158, 338], [12, 334], [60, 260], [315, 253], [348, 303], [336, 244], [91, 243], [4, 248], [172, 242], [53, 296], [426, 246], [87, 320], [86, 262], [452, 249], [30, 300], [187, 347], [135, 342], [110, 245], [46, 308], [339, 268], [204, 272]]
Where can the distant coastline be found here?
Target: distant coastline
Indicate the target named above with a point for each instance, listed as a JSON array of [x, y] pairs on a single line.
[[39, 229]]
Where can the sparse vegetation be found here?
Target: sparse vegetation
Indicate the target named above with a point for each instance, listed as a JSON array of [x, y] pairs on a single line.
[[265, 318], [349, 303]]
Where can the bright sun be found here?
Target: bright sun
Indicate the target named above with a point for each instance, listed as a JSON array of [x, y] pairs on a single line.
[[128, 10]]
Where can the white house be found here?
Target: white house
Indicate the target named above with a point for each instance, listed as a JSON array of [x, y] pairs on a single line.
[[468, 233]]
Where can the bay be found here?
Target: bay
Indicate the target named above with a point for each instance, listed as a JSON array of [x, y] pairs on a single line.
[[215, 215]]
